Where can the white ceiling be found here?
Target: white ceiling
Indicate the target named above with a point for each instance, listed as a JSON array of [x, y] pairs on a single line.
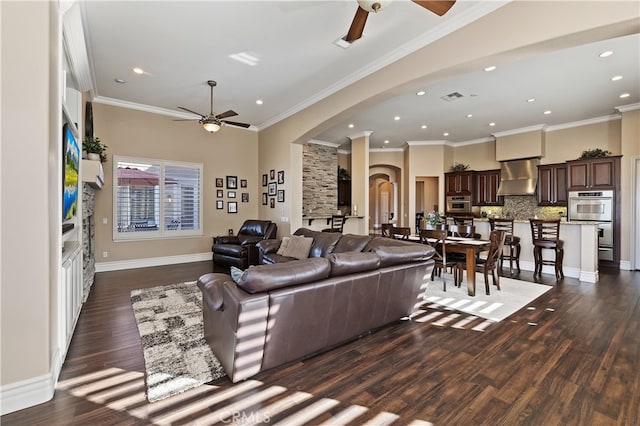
[[181, 45]]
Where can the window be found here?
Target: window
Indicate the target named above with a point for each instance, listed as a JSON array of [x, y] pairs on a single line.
[[156, 199]]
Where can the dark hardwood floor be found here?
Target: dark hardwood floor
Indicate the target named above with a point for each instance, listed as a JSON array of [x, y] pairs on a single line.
[[572, 360]]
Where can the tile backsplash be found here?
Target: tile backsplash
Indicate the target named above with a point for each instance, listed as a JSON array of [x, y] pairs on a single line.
[[524, 207]]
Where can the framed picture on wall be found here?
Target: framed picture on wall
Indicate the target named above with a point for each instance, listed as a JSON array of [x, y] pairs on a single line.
[[245, 197], [281, 195], [243, 183], [232, 182], [232, 207], [219, 193], [272, 189], [280, 177], [219, 182], [264, 179], [272, 203], [265, 199], [272, 174], [219, 204], [231, 194]]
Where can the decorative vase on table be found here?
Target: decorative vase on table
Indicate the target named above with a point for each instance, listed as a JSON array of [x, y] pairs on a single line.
[[433, 219]]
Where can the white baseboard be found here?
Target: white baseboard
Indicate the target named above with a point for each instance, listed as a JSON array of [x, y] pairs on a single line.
[[569, 271], [625, 265], [151, 261], [27, 393]]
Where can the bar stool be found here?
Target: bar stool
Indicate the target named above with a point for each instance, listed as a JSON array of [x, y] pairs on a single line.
[[510, 240], [545, 234]]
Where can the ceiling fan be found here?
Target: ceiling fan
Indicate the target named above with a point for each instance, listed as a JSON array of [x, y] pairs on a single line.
[[213, 122], [439, 7]]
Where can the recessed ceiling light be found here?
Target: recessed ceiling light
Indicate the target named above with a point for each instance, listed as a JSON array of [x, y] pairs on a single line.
[[625, 95], [469, 115], [138, 70], [606, 53], [616, 78], [421, 93], [386, 141], [531, 100], [351, 125], [445, 134], [547, 112], [492, 124], [491, 68], [424, 126], [119, 80], [248, 58], [259, 102], [397, 117]]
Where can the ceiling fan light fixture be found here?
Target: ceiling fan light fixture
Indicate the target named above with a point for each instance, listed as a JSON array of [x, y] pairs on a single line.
[[211, 126], [373, 5]]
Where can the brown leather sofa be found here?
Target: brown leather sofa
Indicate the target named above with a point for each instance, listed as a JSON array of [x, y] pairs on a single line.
[[240, 250], [285, 311]]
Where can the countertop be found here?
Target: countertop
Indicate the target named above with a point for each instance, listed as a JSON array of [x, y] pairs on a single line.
[[575, 222]]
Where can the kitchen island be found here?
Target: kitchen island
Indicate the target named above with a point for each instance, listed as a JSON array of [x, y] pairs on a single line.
[[580, 247]]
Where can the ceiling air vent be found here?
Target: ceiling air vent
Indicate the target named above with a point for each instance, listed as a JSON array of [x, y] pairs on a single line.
[[452, 96]]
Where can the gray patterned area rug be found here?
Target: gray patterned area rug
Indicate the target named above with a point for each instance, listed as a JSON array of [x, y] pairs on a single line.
[[176, 355]]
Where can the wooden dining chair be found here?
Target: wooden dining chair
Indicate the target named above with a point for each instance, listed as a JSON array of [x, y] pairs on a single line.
[[337, 224], [545, 234], [463, 231], [386, 229], [511, 241], [490, 264], [436, 239], [401, 232]]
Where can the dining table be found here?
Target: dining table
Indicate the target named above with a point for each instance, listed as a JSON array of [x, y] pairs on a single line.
[[470, 247]]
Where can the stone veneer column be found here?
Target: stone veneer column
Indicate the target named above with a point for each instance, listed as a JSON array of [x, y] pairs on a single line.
[[319, 179], [88, 239]]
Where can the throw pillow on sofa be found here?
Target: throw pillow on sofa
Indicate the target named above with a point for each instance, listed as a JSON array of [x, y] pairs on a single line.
[[295, 246]]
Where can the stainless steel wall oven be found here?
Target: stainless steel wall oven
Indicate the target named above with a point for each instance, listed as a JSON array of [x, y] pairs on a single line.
[[595, 206]]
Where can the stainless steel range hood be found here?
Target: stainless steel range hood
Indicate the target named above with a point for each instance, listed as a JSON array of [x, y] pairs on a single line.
[[519, 177]]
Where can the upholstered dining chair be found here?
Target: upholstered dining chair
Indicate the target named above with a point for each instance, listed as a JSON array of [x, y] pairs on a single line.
[[436, 239], [490, 264], [511, 241]]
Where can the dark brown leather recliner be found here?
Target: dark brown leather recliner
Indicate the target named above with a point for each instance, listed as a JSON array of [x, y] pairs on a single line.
[[240, 250]]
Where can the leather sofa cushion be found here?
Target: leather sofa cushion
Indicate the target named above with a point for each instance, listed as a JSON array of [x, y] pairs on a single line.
[[234, 250], [254, 227], [323, 242], [350, 263], [396, 255], [351, 242], [268, 277]]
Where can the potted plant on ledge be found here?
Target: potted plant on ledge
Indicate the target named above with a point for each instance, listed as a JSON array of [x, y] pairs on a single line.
[[95, 149]]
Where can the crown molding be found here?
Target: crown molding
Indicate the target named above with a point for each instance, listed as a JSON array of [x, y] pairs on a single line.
[[386, 150], [520, 130], [453, 24], [630, 107], [323, 143], [474, 142], [154, 110], [344, 152], [586, 122], [75, 47], [435, 142], [364, 134]]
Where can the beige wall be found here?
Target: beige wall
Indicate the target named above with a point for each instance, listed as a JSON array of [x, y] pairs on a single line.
[[231, 151], [520, 145], [630, 150], [479, 156], [568, 144], [29, 225]]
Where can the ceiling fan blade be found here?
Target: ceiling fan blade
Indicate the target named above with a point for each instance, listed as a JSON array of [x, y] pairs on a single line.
[[226, 114], [192, 112], [235, 123], [439, 7], [357, 25], [186, 119]]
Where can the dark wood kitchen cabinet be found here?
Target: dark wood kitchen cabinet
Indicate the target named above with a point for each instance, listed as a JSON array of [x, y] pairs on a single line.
[[593, 174], [458, 183], [552, 185], [486, 188]]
